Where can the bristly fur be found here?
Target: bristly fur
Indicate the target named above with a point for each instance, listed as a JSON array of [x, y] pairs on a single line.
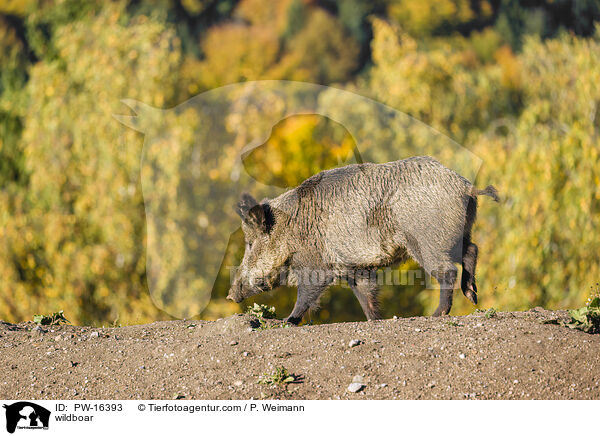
[[359, 218], [489, 190]]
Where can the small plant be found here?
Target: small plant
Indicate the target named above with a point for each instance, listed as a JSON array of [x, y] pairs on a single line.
[[55, 318], [261, 311], [454, 324], [587, 318], [279, 377], [264, 325], [490, 313]]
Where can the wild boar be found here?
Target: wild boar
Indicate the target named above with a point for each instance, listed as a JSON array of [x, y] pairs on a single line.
[[346, 221]]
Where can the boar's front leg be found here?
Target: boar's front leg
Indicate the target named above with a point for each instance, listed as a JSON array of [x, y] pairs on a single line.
[[365, 290], [308, 295]]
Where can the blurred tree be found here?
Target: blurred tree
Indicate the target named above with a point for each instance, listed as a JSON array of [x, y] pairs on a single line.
[[74, 239], [322, 52], [444, 87], [13, 76], [429, 17], [500, 76], [540, 247]]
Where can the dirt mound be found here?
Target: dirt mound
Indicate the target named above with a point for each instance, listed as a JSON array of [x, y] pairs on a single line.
[[507, 355]]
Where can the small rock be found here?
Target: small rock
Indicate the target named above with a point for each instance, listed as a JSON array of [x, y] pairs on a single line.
[[418, 330], [94, 335], [238, 383], [39, 329], [232, 343], [383, 385], [461, 356], [431, 385], [58, 338], [245, 354], [358, 379], [353, 343], [394, 317], [355, 387]]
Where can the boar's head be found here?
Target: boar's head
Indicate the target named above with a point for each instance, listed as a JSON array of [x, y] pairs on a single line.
[[266, 251]]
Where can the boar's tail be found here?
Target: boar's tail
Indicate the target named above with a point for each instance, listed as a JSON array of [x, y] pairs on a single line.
[[490, 191]]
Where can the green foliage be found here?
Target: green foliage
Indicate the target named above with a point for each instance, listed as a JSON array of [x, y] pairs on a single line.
[[587, 318], [261, 311], [55, 318], [279, 377], [455, 324], [490, 313]]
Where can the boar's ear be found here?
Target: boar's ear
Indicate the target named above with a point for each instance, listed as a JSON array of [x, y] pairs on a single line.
[[246, 203], [254, 214]]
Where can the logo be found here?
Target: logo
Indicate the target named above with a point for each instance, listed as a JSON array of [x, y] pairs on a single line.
[[26, 415]]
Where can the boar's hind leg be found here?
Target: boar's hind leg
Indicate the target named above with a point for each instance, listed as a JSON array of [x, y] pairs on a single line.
[[469, 262], [365, 290], [446, 276], [307, 298]]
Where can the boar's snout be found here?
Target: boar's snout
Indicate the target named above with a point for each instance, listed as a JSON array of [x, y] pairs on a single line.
[[235, 292], [234, 299]]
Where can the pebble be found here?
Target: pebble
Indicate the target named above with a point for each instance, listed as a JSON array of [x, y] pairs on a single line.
[[417, 329], [232, 343], [58, 338], [358, 379], [355, 387], [238, 383], [462, 356], [245, 354], [39, 329], [354, 343], [395, 317], [94, 335]]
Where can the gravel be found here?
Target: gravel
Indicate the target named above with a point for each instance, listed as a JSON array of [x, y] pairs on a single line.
[[393, 361]]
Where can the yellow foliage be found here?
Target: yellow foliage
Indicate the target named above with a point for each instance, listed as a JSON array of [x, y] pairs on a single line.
[[425, 16]]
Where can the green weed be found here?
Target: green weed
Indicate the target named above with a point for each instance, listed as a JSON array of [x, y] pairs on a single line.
[[55, 318]]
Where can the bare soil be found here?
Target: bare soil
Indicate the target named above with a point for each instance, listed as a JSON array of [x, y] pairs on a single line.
[[512, 355]]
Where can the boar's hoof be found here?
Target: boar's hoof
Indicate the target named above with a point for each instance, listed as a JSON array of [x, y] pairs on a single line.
[[291, 320], [440, 311], [471, 296]]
